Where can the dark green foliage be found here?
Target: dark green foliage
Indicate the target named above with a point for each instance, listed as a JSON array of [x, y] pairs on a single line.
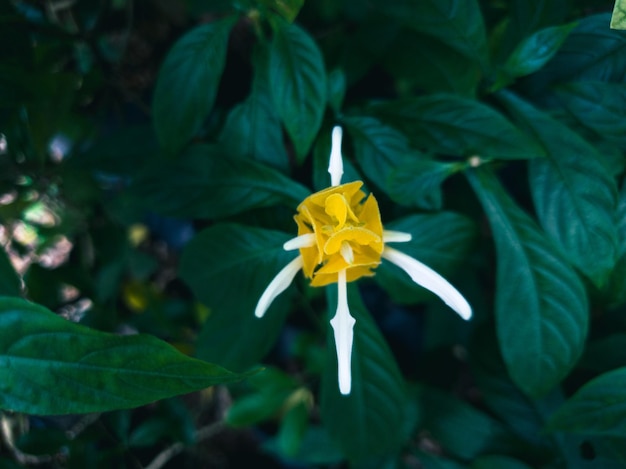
[[153, 155]]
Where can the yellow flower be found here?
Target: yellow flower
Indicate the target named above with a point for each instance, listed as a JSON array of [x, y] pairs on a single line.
[[340, 239]]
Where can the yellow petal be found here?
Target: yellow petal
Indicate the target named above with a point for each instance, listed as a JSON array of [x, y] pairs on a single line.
[[356, 235], [337, 207], [348, 190]]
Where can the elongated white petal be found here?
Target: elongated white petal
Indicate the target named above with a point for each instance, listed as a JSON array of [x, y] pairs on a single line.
[[431, 280], [343, 324], [390, 236], [278, 285], [303, 241], [335, 164]]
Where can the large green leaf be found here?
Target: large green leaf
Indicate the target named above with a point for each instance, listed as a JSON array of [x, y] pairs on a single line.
[[457, 23], [462, 430], [228, 267], [370, 420], [598, 408], [417, 182], [298, 84], [53, 366], [252, 127], [442, 241], [457, 126], [378, 148], [536, 50], [592, 52], [10, 284], [600, 107], [574, 194], [541, 304], [420, 61], [188, 81], [206, 182]]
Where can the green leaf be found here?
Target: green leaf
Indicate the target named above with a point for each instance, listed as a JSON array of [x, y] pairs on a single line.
[[598, 408], [298, 84], [336, 84], [457, 126], [457, 23], [378, 148], [574, 194], [272, 389], [293, 428], [428, 64], [541, 304], [316, 448], [600, 107], [417, 182], [592, 52], [442, 241], [53, 366], [10, 284], [618, 17], [459, 428], [206, 182], [536, 50], [188, 81], [219, 264], [369, 421], [252, 128], [522, 415], [255, 408]]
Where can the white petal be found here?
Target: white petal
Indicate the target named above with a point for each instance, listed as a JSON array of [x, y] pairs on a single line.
[[431, 280], [335, 164], [303, 241], [390, 236], [278, 285], [343, 324]]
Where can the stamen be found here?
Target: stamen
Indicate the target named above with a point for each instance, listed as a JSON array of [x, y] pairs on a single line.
[[390, 236], [346, 252], [278, 285], [343, 324], [335, 164], [306, 240]]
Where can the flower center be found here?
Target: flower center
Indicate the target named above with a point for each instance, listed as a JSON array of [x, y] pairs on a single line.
[[347, 230]]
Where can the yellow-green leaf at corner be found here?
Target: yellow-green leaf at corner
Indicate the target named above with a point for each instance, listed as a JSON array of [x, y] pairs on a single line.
[[51, 366], [618, 18]]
